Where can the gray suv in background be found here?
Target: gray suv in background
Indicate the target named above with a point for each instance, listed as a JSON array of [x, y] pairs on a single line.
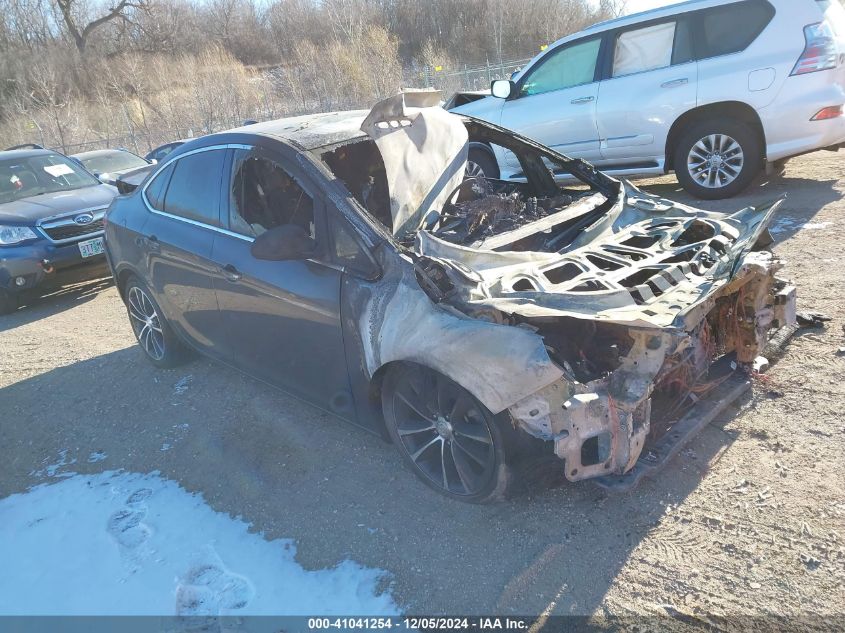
[[51, 222]]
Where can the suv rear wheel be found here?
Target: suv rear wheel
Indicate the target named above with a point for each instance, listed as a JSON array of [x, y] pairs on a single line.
[[718, 159]]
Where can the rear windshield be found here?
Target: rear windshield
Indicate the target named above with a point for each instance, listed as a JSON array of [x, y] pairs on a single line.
[[117, 161], [36, 175]]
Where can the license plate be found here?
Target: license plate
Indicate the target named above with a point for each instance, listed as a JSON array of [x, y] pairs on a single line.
[[89, 248]]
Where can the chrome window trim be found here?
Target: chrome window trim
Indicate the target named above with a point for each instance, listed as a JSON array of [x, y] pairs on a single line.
[[173, 160], [209, 227]]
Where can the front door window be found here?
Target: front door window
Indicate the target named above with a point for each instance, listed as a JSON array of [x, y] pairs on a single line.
[[569, 66], [265, 196]]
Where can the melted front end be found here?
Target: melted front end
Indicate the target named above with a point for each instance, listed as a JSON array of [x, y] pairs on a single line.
[[647, 309]]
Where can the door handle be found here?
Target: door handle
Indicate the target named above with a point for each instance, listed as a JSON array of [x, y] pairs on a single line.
[[675, 82], [231, 273], [582, 100]]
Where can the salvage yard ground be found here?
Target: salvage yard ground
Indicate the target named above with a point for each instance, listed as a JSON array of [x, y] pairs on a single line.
[[749, 519]]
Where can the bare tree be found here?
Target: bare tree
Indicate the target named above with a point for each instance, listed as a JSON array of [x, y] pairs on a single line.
[[80, 30]]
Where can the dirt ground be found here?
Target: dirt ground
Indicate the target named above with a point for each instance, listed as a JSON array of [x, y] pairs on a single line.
[[748, 521]]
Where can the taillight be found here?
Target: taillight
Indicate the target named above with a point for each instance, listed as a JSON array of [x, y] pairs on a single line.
[[820, 53], [825, 114]]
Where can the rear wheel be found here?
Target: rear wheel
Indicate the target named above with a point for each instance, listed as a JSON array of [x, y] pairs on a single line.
[[8, 302], [718, 159], [153, 332], [449, 439]]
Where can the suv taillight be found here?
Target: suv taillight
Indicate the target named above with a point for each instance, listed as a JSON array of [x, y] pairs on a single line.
[[820, 53]]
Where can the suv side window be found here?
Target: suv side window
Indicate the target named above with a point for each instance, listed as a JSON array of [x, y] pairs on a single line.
[[194, 189], [568, 66], [263, 195], [731, 28], [644, 49]]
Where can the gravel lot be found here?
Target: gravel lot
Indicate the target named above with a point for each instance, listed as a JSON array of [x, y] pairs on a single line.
[[749, 519]]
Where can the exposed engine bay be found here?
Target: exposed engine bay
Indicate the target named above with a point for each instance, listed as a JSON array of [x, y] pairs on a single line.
[[596, 314]]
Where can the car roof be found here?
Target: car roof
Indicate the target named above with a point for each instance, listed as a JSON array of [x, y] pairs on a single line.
[[25, 153], [310, 131], [94, 153], [650, 14]]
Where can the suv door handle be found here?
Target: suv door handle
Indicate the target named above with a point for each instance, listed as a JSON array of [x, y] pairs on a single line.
[[231, 273], [582, 100], [675, 82]]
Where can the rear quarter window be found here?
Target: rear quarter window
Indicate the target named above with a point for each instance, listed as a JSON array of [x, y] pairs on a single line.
[[731, 28]]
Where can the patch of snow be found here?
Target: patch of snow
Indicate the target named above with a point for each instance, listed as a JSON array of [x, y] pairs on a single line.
[[182, 385], [816, 226], [165, 447], [52, 470], [96, 456], [787, 224], [132, 544]]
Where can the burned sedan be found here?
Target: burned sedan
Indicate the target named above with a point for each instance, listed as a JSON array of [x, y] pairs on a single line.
[[479, 325]]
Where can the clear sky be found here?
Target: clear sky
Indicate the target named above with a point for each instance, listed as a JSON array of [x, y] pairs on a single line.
[[634, 6]]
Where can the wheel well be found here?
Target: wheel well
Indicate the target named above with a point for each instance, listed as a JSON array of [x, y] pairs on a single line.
[[376, 381], [122, 279], [485, 147], [727, 109]]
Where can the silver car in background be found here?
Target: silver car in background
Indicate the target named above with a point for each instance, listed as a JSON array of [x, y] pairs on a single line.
[[715, 90]]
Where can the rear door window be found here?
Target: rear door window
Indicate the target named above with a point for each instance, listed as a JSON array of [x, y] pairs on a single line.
[[644, 49], [731, 28], [566, 67], [194, 190]]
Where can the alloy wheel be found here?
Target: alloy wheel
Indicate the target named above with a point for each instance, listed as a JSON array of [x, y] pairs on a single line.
[[444, 432], [715, 161], [473, 170], [145, 323]]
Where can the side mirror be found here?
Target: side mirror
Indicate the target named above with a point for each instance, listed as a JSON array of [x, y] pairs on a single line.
[[502, 88], [282, 243]]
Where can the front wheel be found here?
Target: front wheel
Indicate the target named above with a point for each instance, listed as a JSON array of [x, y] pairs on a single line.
[[718, 159], [481, 164], [449, 439], [154, 334]]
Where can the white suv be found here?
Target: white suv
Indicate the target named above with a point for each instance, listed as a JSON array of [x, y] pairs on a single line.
[[713, 89]]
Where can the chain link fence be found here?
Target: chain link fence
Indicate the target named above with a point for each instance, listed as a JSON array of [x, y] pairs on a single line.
[[448, 80], [469, 76], [135, 141]]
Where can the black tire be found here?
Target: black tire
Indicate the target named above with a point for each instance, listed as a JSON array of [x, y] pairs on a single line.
[[485, 163], [734, 170], [422, 409], [8, 302], [155, 337]]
